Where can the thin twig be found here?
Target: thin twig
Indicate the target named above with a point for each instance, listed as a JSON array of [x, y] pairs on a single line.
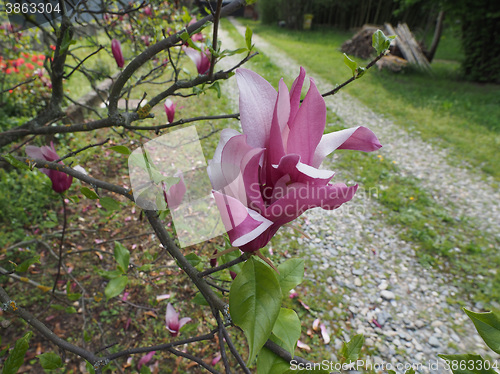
[[61, 244], [214, 41], [352, 79], [74, 153], [242, 258]]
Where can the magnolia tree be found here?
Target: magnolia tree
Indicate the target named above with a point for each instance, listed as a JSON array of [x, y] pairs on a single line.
[[259, 178]]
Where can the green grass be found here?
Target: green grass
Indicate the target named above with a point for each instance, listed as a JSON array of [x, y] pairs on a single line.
[[461, 116], [434, 230]]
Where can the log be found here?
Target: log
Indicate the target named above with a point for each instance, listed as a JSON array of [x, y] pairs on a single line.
[[408, 46]]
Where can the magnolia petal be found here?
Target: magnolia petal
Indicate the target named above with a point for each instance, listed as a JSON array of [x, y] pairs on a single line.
[[171, 316], [302, 173], [242, 224], [175, 193], [324, 334], [357, 138], [281, 114], [257, 101], [214, 168], [304, 197], [183, 321], [308, 125], [295, 93]]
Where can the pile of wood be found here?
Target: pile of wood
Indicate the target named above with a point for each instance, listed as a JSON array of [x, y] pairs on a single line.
[[404, 45], [361, 44], [408, 46]]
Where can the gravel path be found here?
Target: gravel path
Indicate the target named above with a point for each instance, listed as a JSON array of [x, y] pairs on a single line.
[[399, 306]]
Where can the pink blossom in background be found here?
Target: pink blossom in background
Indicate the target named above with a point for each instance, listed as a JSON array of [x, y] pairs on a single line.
[[60, 181], [145, 359], [170, 110], [116, 49], [200, 58], [269, 175], [172, 321]]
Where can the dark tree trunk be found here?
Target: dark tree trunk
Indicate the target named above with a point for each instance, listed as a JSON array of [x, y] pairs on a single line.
[[437, 36]]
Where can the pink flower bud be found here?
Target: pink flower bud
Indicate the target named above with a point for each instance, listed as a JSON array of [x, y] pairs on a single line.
[[116, 48], [170, 110]]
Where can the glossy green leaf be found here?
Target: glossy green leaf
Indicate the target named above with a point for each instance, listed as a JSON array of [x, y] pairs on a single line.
[[351, 64], [291, 274], [15, 162], [287, 328], [350, 351], [254, 303], [269, 362], [410, 371], [193, 259], [381, 42], [122, 257], [468, 364], [115, 286], [23, 266], [248, 38], [121, 149], [16, 355], [109, 203], [488, 326], [50, 361], [87, 192], [90, 368]]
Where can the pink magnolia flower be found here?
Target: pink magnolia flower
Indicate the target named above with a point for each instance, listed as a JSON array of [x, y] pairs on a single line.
[[116, 48], [200, 58], [170, 110], [60, 181], [173, 323], [269, 175]]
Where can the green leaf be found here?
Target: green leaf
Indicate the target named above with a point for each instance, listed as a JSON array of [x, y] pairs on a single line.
[[216, 88], [23, 266], [350, 351], [410, 371], [122, 257], [269, 362], [193, 259], [115, 286], [488, 326], [199, 299], [353, 65], [90, 368], [233, 255], [121, 149], [248, 38], [287, 328], [16, 356], [87, 192], [254, 303], [66, 41], [145, 370], [50, 361], [381, 42], [109, 204], [360, 71], [468, 364], [15, 162], [291, 274]]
